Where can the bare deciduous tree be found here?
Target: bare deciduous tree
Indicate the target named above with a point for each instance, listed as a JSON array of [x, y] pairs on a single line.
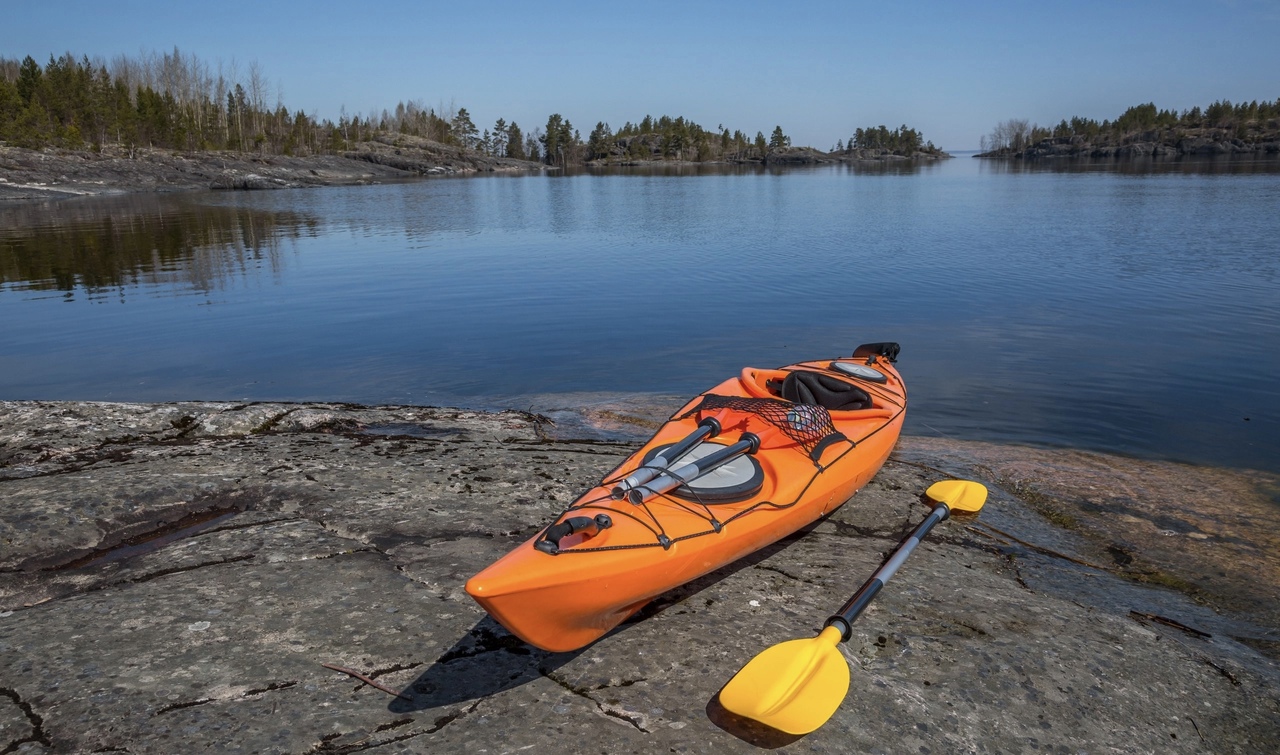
[[1014, 134]]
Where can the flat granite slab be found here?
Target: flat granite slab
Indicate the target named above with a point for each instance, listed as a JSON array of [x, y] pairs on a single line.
[[211, 577]]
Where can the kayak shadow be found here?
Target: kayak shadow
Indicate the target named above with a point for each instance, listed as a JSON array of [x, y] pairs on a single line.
[[486, 661], [677, 595], [489, 659]]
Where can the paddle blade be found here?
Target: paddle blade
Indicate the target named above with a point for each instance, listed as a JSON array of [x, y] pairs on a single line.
[[959, 495], [793, 687]]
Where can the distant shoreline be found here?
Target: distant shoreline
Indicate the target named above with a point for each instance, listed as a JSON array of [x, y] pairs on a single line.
[[51, 173], [1150, 144]]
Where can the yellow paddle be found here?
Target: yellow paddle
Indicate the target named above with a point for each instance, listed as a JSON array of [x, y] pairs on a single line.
[[796, 686]]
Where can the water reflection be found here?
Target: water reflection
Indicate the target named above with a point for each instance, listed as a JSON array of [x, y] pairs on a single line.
[[869, 167], [97, 246], [1137, 166], [1079, 308]]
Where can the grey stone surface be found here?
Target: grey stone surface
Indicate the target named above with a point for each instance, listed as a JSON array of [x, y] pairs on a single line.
[[27, 174], [287, 537]]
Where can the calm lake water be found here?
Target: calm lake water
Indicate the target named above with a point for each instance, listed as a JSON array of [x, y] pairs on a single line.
[[1132, 310]]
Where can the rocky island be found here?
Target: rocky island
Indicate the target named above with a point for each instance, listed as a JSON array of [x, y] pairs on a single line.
[[77, 126], [27, 174], [1245, 130], [288, 578]]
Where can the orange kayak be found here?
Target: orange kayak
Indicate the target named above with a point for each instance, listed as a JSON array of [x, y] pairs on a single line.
[[738, 467]]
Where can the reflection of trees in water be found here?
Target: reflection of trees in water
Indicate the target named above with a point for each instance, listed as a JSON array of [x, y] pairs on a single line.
[[1137, 166], [889, 166], [165, 242]]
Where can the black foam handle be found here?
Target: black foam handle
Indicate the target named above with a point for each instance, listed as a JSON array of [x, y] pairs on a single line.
[[550, 540]]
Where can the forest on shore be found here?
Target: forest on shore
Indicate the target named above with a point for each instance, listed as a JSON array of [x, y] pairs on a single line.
[[176, 101], [1145, 130]]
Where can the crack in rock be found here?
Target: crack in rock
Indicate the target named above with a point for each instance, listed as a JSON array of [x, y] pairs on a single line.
[[274, 686], [270, 688], [181, 569], [611, 710], [786, 574], [38, 734], [180, 706], [635, 719], [394, 725], [444, 721], [353, 551], [326, 746], [73, 590]]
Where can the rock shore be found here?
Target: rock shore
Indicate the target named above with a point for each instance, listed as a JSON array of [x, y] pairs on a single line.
[[38, 174], [1153, 144], [201, 577]]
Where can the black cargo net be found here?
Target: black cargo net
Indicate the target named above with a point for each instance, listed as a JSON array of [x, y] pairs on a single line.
[[807, 424]]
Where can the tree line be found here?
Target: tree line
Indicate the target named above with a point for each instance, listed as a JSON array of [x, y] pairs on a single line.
[[1247, 121], [177, 101], [174, 100]]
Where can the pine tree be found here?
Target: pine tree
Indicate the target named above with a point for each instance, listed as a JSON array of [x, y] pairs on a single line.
[[552, 147], [515, 142], [29, 78], [779, 139], [600, 141], [464, 130], [10, 108], [500, 138]]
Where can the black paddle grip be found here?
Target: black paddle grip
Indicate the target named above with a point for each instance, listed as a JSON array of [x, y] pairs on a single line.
[[550, 540], [851, 610]]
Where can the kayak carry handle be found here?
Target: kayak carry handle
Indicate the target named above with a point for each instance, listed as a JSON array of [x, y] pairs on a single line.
[[550, 540], [887, 349]]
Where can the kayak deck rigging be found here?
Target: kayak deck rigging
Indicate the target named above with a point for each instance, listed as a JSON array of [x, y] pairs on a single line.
[[736, 468], [813, 431]]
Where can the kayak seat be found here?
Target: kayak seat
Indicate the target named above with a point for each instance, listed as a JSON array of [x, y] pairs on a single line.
[[833, 394]]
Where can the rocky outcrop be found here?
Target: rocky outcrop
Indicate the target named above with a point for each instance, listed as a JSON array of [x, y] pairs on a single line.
[[796, 156], [424, 157], [39, 174], [1168, 143], [202, 577]]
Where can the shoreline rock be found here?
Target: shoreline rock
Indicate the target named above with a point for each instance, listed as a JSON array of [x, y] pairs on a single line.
[[1157, 144], [53, 173], [198, 576], [40, 174]]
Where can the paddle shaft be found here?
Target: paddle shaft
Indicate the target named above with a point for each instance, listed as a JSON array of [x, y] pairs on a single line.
[[707, 428], [670, 480], [865, 594]]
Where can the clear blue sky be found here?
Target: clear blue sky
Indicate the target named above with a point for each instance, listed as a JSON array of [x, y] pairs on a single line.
[[818, 69]]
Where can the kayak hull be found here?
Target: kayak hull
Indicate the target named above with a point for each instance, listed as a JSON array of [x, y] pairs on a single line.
[[591, 582]]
